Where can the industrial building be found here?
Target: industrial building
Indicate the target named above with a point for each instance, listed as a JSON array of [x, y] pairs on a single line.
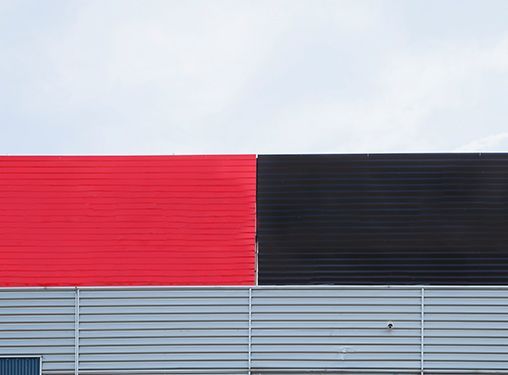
[[254, 264]]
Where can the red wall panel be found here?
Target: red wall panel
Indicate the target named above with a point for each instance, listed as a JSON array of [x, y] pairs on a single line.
[[136, 220]]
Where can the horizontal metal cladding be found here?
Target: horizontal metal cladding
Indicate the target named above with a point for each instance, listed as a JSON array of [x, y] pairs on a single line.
[[39, 323], [258, 330], [140, 220], [466, 329], [164, 330], [304, 330], [383, 219]]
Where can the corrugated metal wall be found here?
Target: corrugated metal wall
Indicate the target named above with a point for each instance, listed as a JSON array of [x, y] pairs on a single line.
[[127, 220], [383, 219], [38, 322], [198, 330], [335, 328], [466, 329], [281, 329]]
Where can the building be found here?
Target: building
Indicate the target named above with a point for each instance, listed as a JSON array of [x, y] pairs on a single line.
[[244, 264]]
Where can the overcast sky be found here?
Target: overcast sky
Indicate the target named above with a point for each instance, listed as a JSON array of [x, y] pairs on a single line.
[[164, 77]]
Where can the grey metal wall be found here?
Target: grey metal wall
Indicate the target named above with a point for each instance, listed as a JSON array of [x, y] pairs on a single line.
[[195, 329], [466, 329], [330, 328], [38, 322], [268, 330]]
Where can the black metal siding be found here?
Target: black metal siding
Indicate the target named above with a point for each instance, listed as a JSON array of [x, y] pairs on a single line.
[[20, 366], [383, 219]]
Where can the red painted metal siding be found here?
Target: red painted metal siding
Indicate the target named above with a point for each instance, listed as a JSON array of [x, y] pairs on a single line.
[[136, 220]]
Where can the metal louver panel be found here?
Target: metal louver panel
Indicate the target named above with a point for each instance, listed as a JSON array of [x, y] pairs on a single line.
[[20, 366], [383, 219]]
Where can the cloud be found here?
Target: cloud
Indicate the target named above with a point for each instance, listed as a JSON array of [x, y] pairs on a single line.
[[496, 142], [412, 106], [264, 76]]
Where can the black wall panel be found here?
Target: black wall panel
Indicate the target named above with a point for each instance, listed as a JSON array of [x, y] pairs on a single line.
[[383, 219]]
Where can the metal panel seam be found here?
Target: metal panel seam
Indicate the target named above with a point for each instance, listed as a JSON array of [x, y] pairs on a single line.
[[249, 358], [422, 331], [76, 332]]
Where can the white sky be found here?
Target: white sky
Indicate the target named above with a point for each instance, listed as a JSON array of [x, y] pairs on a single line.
[[164, 77]]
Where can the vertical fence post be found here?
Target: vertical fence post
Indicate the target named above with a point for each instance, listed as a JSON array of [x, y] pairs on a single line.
[[76, 331], [422, 331], [250, 331]]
